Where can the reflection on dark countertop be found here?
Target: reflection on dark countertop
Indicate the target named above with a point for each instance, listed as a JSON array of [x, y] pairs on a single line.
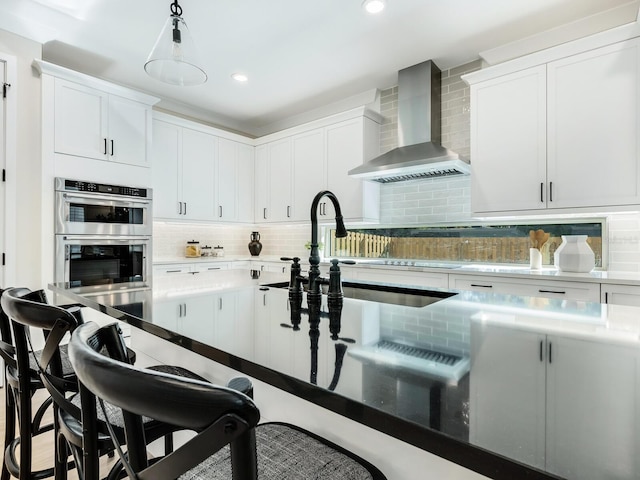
[[547, 383]]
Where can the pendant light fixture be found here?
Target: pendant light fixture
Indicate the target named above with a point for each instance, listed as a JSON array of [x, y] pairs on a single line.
[[174, 58]]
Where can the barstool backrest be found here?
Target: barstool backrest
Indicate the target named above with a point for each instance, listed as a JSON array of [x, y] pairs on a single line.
[[220, 415]]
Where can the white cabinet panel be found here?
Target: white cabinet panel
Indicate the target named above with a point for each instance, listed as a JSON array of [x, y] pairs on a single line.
[[245, 183], [620, 294], [585, 291], [511, 424], [226, 179], [310, 175], [589, 432], [593, 124], [81, 118], [167, 151], [279, 177], [197, 185], [348, 145], [508, 142], [129, 131]]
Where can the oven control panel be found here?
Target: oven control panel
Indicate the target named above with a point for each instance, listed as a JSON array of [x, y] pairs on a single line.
[[102, 188]]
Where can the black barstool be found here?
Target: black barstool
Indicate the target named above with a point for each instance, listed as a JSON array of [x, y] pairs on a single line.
[[69, 419]]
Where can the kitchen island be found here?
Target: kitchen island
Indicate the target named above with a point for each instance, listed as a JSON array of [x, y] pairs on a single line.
[[506, 386]]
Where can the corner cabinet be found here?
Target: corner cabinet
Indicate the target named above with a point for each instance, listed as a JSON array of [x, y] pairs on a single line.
[[198, 175], [559, 136], [296, 164]]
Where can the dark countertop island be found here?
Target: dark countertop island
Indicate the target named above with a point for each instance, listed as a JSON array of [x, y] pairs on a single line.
[[510, 387]]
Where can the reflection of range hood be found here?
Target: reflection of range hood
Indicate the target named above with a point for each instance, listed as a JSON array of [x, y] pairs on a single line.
[[420, 154]]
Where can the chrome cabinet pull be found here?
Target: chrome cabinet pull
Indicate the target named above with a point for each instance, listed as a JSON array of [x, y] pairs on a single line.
[[542, 191], [288, 211], [105, 146], [112, 147], [172, 271], [179, 208], [558, 292], [185, 208], [481, 286], [550, 353], [551, 191], [220, 303], [220, 211], [264, 213]]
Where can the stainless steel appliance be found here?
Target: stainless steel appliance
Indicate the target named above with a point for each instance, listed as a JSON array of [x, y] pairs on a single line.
[[103, 235], [88, 208]]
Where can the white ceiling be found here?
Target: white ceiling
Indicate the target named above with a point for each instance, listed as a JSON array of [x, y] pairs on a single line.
[[299, 55]]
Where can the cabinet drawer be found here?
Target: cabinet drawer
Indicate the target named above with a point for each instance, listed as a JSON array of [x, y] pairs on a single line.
[[588, 292], [210, 266], [169, 269]]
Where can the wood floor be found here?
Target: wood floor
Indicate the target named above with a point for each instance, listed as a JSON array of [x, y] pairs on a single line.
[[43, 444]]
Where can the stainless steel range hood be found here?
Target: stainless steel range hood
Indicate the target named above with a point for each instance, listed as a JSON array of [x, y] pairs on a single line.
[[420, 154]]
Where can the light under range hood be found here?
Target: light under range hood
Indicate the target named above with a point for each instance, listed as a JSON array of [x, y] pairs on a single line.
[[420, 154]]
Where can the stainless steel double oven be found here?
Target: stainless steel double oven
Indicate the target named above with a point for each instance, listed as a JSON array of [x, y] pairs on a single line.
[[102, 235]]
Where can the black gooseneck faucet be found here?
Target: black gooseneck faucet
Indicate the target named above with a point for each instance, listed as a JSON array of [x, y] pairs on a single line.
[[314, 256]]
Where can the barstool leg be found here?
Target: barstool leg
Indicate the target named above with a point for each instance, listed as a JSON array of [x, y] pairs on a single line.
[[24, 426], [10, 424]]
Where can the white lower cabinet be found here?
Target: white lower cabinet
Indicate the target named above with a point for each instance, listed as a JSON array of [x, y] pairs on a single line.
[[620, 294], [550, 417], [189, 316], [588, 292], [281, 267]]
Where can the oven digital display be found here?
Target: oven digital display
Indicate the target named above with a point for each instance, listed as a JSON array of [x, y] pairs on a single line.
[[77, 186]]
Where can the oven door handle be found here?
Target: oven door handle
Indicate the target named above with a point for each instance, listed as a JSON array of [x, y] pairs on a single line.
[[109, 238], [90, 198]]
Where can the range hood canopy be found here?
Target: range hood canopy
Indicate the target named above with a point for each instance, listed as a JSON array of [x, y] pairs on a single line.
[[420, 154]]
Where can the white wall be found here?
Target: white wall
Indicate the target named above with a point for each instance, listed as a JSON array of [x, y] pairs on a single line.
[[26, 230]]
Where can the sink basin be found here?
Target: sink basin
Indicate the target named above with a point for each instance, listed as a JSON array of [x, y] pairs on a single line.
[[410, 297]]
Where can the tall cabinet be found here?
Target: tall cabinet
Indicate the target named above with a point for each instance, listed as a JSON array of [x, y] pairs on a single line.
[[557, 131]]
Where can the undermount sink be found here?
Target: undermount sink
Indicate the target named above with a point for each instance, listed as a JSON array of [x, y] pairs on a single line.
[[409, 297]]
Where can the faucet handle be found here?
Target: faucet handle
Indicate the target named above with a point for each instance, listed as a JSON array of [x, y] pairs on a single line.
[[290, 259]]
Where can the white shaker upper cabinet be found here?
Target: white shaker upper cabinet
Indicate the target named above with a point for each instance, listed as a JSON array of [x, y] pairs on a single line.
[[593, 153], [273, 181], [310, 173], [94, 124], [508, 142]]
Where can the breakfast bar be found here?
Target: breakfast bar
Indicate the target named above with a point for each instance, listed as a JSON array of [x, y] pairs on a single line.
[[502, 385]]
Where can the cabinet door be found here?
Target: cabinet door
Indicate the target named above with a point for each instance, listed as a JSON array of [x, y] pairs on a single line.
[[80, 120], [167, 153], [166, 314], [349, 144], [198, 319], [245, 183], [507, 393], [592, 412], [279, 176], [508, 142], [227, 179], [128, 128], [621, 294], [593, 119], [310, 176], [198, 175], [261, 212]]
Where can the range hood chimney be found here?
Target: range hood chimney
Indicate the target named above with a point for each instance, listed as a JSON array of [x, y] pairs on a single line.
[[420, 154]]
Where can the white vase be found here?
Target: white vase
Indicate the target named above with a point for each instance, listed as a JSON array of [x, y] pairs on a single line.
[[574, 255], [535, 259]]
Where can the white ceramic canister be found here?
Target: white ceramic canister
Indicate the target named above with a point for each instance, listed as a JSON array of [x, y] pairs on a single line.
[[574, 255]]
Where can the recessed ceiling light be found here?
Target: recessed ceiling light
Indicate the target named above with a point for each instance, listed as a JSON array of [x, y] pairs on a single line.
[[374, 6], [240, 77]]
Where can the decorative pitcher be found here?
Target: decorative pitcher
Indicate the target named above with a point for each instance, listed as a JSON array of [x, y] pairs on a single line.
[[255, 247]]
